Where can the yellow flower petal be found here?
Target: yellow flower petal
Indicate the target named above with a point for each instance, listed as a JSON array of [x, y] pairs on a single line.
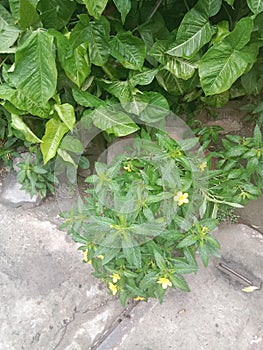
[[165, 282], [113, 288], [115, 277], [100, 257], [202, 166], [139, 298], [181, 198]]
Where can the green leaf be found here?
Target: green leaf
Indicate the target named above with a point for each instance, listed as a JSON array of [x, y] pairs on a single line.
[[160, 262], [28, 15], [124, 7], [113, 121], [225, 62], [179, 282], [19, 124], [142, 78], [132, 252], [71, 144], [74, 61], [187, 241], [156, 108], [67, 114], [120, 89], [23, 102], [129, 50], [55, 130], [35, 68], [195, 30], [95, 7], [183, 69], [256, 6], [56, 13], [98, 41], [86, 99], [66, 157], [9, 32]]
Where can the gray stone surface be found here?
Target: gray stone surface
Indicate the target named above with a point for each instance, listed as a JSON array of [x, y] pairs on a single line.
[[12, 194], [252, 213], [215, 315], [49, 299]]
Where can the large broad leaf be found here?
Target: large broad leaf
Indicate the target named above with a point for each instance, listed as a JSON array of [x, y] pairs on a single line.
[[124, 7], [67, 114], [142, 78], [74, 60], [129, 50], [27, 13], [113, 121], [255, 6], [98, 41], [8, 31], [56, 13], [225, 62], [120, 89], [86, 99], [174, 85], [35, 68], [195, 30], [96, 34], [19, 124], [181, 68], [55, 130], [95, 7], [23, 102]]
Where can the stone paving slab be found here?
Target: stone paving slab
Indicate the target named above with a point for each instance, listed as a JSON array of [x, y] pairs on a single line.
[[48, 298], [215, 315]]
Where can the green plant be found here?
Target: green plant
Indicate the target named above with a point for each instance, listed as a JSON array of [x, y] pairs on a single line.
[[139, 225], [61, 59], [35, 177]]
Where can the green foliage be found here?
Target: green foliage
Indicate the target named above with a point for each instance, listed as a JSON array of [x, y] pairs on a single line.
[[137, 225], [36, 178], [60, 56]]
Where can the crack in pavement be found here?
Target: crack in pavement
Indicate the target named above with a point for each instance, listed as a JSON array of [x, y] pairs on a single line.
[[123, 315]]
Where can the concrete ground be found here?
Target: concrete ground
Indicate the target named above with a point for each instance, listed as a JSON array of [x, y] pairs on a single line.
[[50, 301]]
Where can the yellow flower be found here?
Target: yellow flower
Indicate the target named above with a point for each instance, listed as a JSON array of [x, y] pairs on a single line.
[[85, 257], [115, 277], [164, 282], [202, 166], [205, 230], [181, 198], [127, 167], [100, 257], [113, 288], [139, 298]]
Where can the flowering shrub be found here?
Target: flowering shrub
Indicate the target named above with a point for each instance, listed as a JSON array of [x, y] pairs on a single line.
[[139, 226]]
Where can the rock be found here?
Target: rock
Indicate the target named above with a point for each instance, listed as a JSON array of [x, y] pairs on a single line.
[[12, 194]]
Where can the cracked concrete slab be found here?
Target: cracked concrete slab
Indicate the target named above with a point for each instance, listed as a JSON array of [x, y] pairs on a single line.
[[49, 299], [216, 314]]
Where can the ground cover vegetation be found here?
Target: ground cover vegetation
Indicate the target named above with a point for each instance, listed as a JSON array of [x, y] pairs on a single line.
[[148, 213]]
